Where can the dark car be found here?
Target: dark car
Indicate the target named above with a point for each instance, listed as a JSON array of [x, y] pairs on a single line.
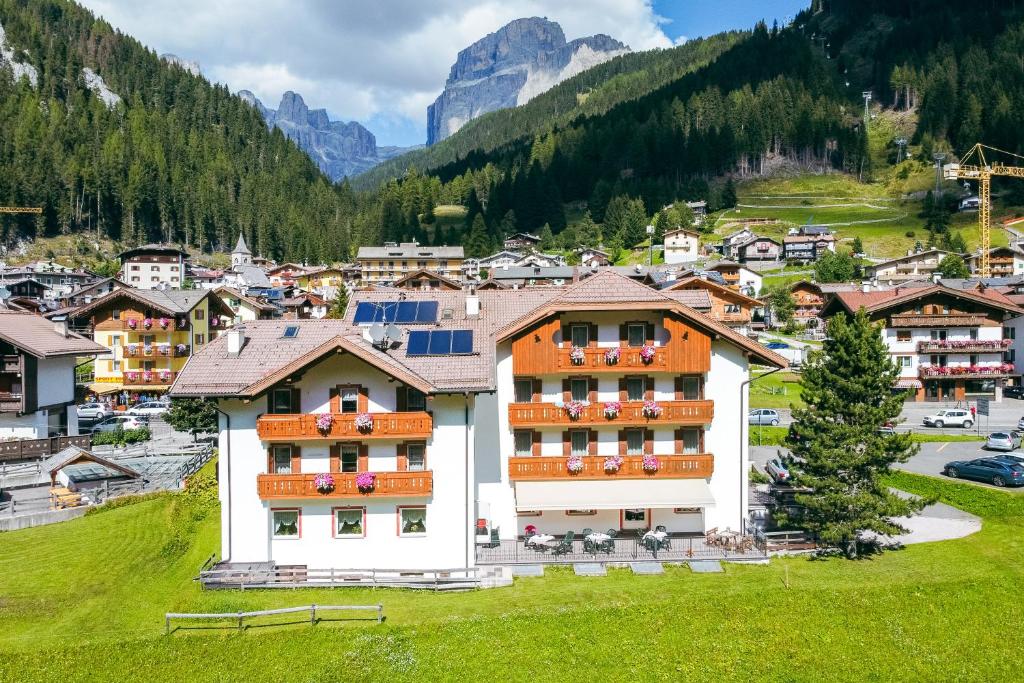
[[996, 471], [1013, 392]]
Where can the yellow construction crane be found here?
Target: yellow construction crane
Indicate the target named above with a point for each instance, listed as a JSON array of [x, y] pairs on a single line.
[[974, 166], [20, 209]]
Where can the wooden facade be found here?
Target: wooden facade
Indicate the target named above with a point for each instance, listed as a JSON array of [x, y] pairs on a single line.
[[697, 466], [386, 485], [695, 413], [392, 425]]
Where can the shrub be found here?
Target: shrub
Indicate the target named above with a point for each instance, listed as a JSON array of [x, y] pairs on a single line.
[[909, 233], [121, 437]]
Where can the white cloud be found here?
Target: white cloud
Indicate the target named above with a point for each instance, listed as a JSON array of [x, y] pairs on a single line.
[[387, 58]]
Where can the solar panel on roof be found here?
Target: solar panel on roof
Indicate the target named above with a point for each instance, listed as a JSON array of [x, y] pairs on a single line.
[[418, 343], [462, 341], [364, 313], [407, 311], [440, 342], [291, 331], [427, 312]]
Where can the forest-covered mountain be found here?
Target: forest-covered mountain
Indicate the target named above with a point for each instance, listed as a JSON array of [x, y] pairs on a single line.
[[176, 159]]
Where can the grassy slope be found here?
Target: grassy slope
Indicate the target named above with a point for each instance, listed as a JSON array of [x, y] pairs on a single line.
[[84, 600], [774, 436]]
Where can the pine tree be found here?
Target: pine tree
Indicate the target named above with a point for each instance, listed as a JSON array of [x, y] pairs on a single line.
[[858, 245], [338, 305], [477, 243], [953, 266], [728, 199], [547, 238], [839, 453]]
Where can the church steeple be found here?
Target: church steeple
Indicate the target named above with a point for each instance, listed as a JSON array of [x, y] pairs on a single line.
[[241, 256]]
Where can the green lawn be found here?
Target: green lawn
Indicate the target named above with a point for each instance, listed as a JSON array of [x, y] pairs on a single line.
[[766, 435], [777, 390], [83, 601]]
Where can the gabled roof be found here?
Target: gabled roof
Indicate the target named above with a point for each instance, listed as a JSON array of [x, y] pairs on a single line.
[[917, 256], [250, 300], [873, 302], [720, 290], [152, 249], [240, 247], [38, 337], [74, 454], [294, 267], [78, 291], [424, 273], [685, 231], [170, 301]]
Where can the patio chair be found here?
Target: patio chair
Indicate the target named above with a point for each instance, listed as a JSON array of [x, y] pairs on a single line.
[[565, 546], [587, 532], [495, 539], [711, 536], [589, 546], [651, 545], [661, 528], [608, 546]]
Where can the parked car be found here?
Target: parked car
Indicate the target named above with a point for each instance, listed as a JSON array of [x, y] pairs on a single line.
[[112, 423], [1003, 441], [149, 408], [952, 417], [888, 428], [1016, 391], [777, 471], [996, 471], [1020, 424], [1006, 457], [93, 411], [764, 416]]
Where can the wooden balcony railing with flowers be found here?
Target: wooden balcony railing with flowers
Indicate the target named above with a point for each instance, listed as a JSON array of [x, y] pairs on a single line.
[[406, 425], [632, 413], [149, 377], [154, 324], [612, 359], [697, 466], [964, 346], [966, 371], [385, 485]]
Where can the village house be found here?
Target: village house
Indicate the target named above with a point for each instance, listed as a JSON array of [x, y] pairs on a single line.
[[731, 241], [304, 306], [591, 258], [425, 280], [682, 246], [88, 293], [759, 249], [948, 343], [728, 306], [153, 266], [37, 376], [393, 261], [521, 240], [920, 265], [350, 444], [807, 248], [246, 308], [735, 275], [286, 274], [1003, 262]]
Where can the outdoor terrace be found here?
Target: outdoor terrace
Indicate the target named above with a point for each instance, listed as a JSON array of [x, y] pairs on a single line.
[[394, 425]]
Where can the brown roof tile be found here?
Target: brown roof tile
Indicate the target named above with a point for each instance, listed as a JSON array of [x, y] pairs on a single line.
[[38, 336]]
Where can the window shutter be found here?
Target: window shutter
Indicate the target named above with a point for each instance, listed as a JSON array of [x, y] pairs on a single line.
[[592, 389], [336, 457], [536, 443], [403, 459], [270, 460], [335, 396], [566, 390], [649, 388], [401, 398], [648, 441], [566, 337], [566, 444], [593, 335], [364, 400], [649, 334], [364, 458], [679, 441], [622, 442], [270, 401], [700, 441], [296, 460], [623, 335], [296, 400], [679, 387], [538, 391], [592, 441], [622, 389]]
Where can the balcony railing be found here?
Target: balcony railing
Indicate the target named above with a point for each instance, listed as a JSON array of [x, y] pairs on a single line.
[[11, 402], [632, 414], [149, 377], [596, 359], [139, 325], [697, 466], [966, 371], [386, 485], [411, 425], [963, 346]]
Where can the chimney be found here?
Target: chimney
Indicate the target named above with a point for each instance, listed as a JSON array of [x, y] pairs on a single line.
[[472, 304], [61, 327], [236, 340], [865, 287]]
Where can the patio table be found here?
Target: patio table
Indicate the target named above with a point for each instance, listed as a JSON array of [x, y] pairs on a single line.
[[659, 535], [540, 539], [598, 537]]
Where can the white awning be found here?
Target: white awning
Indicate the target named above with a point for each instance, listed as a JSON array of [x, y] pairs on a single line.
[[618, 494]]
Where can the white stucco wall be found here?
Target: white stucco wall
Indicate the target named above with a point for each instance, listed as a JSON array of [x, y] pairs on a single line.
[[55, 380], [32, 426]]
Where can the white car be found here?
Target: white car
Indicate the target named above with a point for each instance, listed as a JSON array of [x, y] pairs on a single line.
[[95, 411], [112, 423], [149, 408], [953, 417]]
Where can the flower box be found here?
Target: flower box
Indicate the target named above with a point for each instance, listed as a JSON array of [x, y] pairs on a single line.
[[164, 322], [612, 356], [147, 376], [324, 422], [612, 409], [133, 349], [575, 409], [649, 463], [165, 376], [364, 422], [577, 356], [651, 409], [574, 464], [132, 323], [147, 323], [647, 354], [324, 483], [613, 463], [365, 481]]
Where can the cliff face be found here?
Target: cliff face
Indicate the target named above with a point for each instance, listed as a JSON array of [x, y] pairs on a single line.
[[340, 149], [510, 66]]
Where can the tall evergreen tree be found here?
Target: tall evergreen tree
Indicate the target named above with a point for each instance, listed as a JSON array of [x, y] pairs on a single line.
[[839, 453]]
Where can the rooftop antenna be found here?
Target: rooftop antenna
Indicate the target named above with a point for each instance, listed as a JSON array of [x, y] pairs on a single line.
[[377, 334], [392, 333]]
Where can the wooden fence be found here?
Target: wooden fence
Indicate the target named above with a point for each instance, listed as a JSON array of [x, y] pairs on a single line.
[[462, 578], [241, 616], [27, 449]]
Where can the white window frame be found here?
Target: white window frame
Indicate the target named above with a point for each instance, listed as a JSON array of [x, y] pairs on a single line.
[[401, 521], [298, 524]]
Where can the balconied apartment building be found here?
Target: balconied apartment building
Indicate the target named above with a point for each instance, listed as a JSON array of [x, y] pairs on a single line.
[[394, 261], [149, 335], [950, 344], [388, 439]]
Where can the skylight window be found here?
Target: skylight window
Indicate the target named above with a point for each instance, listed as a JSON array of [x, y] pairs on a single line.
[[291, 331]]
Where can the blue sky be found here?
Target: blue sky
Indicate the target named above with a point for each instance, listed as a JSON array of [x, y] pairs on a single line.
[[383, 62]]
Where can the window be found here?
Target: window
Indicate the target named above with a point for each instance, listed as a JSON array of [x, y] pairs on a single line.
[[198, 315], [115, 341], [281, 460], [200, 339], [116, 314], [153, 268], [349, 522], [580, 335], [529, 513], [1009, 333], [636, 334], [686, 511], [412, 521], [639, 515], [282, 402], [523, 442], [635, 387], [940, 361], [938, 335], [524, 390], [580, 513], [291, 331], [904, 361], [691, 441], [134, 267], [416, 457], [349, 399], [634, 442], [115, 366], [974, 334], [732, 308], [579, 389], [579, 440], [973, 359], [285, 523], [415, 399], [690, 388], [349, 457]]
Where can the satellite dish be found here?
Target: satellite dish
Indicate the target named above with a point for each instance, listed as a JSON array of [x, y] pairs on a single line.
[[393, 332], [377, 334]]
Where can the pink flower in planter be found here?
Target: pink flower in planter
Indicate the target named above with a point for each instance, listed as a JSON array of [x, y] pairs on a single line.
[[365, 481], [165, 376], [131, 376], [612, 409], [164, 322], [132, 323], [323, 482], [364, 422], [613, 463], [577, 355], [147, 376], [182, 323], [649, 463], [147, 323], [575, 409], [647, 354], [651, 409], [324, 422], [611, 356], [574, 464]]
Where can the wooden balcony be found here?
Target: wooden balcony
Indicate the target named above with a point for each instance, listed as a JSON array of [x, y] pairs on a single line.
[[138, 325], [672, 413], [594, 360], [966, 346], [962, 372], [151, 378], [698, 466], [412, 425], [387, 485], [11, 402]]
